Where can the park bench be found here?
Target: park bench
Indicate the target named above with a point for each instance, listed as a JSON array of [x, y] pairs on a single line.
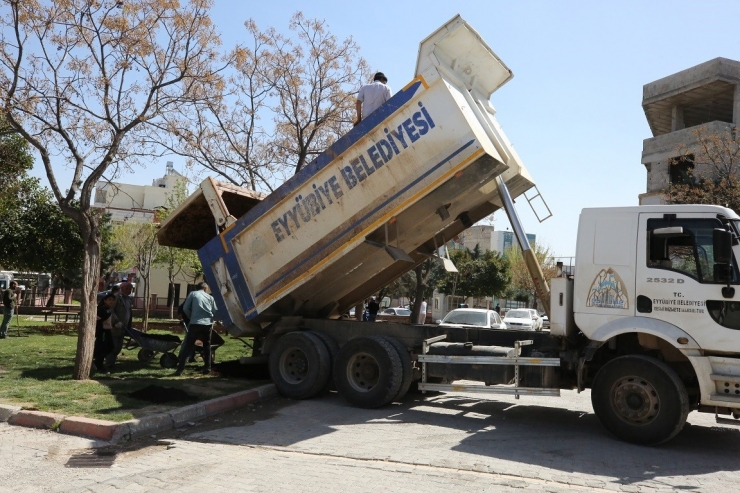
[[57, 314]]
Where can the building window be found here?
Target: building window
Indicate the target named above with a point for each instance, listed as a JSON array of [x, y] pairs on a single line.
[[682, 169], [101, 196]]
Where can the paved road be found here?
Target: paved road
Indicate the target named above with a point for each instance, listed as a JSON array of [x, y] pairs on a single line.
[[444, 443]]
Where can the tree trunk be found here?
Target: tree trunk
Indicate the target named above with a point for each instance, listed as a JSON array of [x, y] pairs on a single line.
[[171, 296], [50, 301], [145, 317], [418, 294], [90, 233]]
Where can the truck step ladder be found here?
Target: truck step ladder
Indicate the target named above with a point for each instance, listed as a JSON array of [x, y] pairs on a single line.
[[517, 360], [542, 199]]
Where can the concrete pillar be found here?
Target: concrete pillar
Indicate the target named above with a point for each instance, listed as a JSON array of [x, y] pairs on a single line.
[[736, 106], [677, 118]]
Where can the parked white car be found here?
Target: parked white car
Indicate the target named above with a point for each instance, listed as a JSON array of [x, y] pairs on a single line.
[[520, 319], [536, 317], [473, 317]]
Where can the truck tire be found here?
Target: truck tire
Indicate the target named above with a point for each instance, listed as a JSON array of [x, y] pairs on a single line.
[[368, 372], [333, 348], [405, 366], [300, 365], [640, 399]]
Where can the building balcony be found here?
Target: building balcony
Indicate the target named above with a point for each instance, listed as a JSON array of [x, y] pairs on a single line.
[[667, 146]]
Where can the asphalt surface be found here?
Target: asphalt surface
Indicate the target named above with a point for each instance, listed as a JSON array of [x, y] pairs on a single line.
[[444, 443]]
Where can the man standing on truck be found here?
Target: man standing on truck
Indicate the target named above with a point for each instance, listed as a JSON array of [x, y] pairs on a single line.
[[10, 300], [372, 96], [200, 307]]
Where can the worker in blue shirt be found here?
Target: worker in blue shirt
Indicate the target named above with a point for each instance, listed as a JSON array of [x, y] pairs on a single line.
[[199, 307]]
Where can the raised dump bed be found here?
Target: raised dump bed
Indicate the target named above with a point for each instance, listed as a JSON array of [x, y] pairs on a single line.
[[378, 202]]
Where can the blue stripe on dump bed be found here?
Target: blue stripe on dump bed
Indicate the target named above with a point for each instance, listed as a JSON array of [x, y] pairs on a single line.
[[214, 249], [222, 313], [211, 252], [325, 158], [370, 213]]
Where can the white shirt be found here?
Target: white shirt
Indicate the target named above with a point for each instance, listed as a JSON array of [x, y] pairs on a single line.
[[373, 96], [422, 313]]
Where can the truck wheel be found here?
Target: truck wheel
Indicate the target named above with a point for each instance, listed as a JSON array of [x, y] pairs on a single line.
[[640, 399], [299, 365], [333, 348], [405, 366], [368, 372]]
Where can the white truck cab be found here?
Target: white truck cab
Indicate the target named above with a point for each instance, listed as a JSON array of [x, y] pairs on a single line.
[[655, 284]]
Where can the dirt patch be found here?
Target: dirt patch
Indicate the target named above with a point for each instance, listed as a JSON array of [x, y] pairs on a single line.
[[161, 395]]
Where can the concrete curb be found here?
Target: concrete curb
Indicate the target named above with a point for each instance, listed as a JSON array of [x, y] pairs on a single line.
[[110, 431], [35, 419]]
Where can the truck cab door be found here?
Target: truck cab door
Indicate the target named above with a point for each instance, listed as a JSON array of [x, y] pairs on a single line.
[[679, 281]]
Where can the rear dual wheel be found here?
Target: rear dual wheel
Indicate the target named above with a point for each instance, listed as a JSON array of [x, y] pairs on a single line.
[[368, 371], [300, 365]]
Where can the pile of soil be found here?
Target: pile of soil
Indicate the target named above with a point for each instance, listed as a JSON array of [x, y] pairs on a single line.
[[161, 395], [234, 369]]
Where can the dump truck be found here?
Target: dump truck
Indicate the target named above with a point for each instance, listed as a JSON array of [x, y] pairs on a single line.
[[648, 322]]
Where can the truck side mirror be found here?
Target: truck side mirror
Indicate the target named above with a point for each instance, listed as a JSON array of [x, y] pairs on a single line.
[[722, 240], [722, 246]]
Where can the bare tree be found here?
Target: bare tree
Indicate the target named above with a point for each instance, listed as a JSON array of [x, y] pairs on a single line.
[[714, 156], [225, 133], [84, 81], [285, 100], [710, 170], [316, 78]]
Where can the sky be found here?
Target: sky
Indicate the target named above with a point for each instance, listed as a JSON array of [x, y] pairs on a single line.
[[573, 109]]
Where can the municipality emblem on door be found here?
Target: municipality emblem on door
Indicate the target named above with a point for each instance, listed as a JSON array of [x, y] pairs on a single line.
[[607, 291]]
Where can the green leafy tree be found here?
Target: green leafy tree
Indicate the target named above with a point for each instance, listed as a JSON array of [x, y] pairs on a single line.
[[479, 274], [35, 235], [521, 287]]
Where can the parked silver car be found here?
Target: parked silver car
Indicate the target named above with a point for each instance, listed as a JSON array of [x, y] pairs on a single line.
[[473, 317], [520, 319]]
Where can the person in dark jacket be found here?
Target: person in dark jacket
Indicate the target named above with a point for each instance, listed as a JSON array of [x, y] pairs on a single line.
[[10, 300], [103, 338], [372, 309], [122, 318]]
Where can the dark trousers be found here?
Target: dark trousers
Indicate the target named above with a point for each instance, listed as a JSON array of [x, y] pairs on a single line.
[[195, 332], [103, 346]]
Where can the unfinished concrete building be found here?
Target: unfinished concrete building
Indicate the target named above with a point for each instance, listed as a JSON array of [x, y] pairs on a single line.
[[701, 100]]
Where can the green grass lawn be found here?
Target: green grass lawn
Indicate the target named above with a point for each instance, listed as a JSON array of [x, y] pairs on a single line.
[[36, 369]]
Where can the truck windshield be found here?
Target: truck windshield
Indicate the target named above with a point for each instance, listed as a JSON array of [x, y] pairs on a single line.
[[466, 318], [690, 252]]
